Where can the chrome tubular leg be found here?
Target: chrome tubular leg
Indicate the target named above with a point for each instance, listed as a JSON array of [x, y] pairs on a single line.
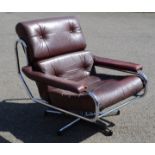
[[61, 130], [113, 113], [51, 112]]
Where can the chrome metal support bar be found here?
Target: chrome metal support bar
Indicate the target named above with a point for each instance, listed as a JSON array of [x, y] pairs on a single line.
[[18, 65], [113, 113], [50, 112], [118, 107], [62, 110], [144, 79], [64, 128], [94, 97], [26, 86]]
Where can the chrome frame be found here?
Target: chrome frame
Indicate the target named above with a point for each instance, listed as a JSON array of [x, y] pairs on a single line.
[[97, 115]]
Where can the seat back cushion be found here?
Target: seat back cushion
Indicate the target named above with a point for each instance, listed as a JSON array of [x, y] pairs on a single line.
[[51, 37], [73, 66]]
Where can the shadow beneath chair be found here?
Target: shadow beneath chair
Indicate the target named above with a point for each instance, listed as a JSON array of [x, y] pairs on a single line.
[[26, 122]]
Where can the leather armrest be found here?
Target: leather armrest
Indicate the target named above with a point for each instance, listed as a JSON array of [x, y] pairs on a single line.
[[117, 64], [53, 80]]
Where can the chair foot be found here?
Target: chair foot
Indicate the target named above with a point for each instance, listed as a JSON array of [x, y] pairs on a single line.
[[104, 128], [69, 125], [51, 113], [107, 132], [106, 122]]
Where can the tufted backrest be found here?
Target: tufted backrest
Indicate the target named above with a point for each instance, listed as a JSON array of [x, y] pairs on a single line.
[[51, 37]]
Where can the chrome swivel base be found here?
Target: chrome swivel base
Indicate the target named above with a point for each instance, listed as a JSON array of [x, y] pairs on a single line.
[[102, 124]]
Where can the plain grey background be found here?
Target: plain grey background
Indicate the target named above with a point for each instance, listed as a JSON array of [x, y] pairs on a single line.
[[124, 36]]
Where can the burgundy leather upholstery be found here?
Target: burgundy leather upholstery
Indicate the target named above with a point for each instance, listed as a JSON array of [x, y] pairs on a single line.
[[108, 89], [117, 64], [53, 80], [63, 69], [78, 64], [51, 37]]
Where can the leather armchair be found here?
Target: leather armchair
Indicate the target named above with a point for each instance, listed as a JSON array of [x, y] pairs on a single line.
[[64, 72]]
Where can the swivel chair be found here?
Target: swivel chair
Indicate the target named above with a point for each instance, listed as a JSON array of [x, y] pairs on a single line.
[[66, 77]]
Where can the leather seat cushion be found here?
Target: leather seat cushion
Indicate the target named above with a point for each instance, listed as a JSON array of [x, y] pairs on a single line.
[[108, 90], [112, 89]]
